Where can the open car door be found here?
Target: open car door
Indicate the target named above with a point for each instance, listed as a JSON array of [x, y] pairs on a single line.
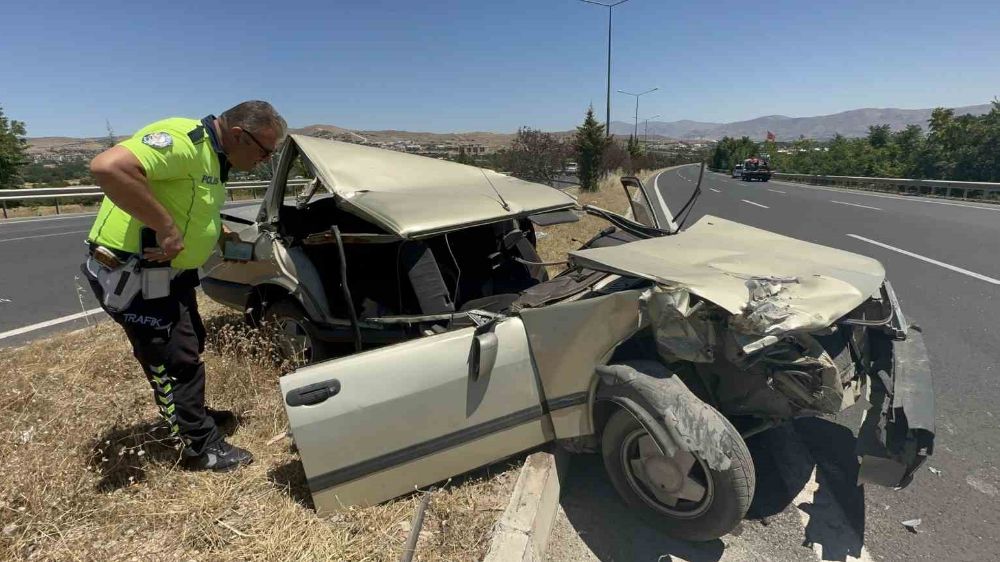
[[647, 206], [379, 424]]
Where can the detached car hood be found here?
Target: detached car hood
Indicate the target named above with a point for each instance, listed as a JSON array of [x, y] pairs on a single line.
[[412, 195], [773, 284]]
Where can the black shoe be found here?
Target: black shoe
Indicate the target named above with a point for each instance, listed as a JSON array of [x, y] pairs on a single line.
[[220, 457], [225, 420]]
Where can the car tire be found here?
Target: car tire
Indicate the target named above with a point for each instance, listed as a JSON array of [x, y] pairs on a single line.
[[727, 493], [297, 337]]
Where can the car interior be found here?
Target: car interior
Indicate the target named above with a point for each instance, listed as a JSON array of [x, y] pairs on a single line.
[[481, 267]]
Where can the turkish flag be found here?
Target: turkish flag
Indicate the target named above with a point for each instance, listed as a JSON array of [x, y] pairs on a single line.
[[770, 136]]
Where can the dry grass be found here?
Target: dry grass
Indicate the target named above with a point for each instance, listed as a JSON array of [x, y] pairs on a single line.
[[557, 240], [88, 475]]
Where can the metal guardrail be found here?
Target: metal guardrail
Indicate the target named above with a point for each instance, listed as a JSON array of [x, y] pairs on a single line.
[[983, 191], [84, 191]]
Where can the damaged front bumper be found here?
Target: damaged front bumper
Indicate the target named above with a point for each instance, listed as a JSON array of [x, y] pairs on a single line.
[[897, 431]]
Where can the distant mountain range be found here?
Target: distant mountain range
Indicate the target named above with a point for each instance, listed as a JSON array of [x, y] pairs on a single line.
[[852, 123]]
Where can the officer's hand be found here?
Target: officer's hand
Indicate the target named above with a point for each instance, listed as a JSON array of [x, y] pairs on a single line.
[[171, 242]]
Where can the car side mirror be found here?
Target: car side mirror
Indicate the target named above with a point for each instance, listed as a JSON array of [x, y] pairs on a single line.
[[483, 355]]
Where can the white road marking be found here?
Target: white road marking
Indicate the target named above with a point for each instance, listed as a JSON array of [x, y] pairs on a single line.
[[663, 204], [776, 191], [752, 203], [856, 205], [48, 323], [912, 199], [43, 236], [928, 260], [715, 190]]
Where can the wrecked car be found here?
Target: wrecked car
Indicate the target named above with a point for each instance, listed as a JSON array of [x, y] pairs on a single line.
[[660, 348], [377, 245]]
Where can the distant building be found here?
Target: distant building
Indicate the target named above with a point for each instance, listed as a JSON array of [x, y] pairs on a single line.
[[475, 149]]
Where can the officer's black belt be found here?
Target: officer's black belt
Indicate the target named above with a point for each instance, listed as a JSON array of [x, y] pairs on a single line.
[[120, 254]]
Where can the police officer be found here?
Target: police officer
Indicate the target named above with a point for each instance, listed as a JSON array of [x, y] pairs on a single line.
[[170, 177]]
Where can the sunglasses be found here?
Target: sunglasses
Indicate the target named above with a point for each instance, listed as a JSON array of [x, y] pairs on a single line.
[[267, 151]]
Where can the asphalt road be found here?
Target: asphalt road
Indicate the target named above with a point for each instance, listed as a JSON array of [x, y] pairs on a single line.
[[40, 279], [945, 269]]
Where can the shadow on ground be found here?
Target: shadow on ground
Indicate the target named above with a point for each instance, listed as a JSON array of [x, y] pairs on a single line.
[[612, 531], [122, 453], [291, 478]]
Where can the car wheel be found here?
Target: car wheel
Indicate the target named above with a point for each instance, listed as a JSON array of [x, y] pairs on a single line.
[[297, 338], [680, 494]]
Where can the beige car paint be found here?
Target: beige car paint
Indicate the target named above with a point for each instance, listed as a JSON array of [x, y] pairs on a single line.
[[568, 340], [411, 476], [414, 196], [273, 264], [721, 261], [402, 397]]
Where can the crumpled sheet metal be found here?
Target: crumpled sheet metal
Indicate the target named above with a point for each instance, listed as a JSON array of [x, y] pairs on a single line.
[[690, 424], [412, 196], [787, 375], [680, 330], [773, 284]]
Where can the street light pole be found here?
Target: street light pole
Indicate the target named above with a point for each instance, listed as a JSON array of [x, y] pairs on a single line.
[[607, 120], [645, 131], [635, 130]]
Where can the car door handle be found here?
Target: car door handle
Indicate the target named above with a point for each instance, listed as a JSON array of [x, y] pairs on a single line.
[[312, 394]]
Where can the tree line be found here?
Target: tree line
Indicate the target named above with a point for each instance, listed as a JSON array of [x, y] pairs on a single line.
[[954, 147], [541, 157]]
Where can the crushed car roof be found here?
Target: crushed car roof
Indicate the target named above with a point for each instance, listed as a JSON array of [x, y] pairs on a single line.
[[776, 284], [412, 195]]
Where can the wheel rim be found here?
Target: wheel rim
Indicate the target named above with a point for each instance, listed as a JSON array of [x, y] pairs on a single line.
[[294, 340], [679, 485]]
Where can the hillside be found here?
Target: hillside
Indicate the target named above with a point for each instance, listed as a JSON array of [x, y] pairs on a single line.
[[853, 123]]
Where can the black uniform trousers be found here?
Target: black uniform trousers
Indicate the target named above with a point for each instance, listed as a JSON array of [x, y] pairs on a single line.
[[168, 337]]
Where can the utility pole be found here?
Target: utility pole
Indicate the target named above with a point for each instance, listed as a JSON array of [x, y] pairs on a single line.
[[607, 120], [635, 130], [645, 132]]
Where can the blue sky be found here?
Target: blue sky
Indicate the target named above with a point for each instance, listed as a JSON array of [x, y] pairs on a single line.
[[462, 65]]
